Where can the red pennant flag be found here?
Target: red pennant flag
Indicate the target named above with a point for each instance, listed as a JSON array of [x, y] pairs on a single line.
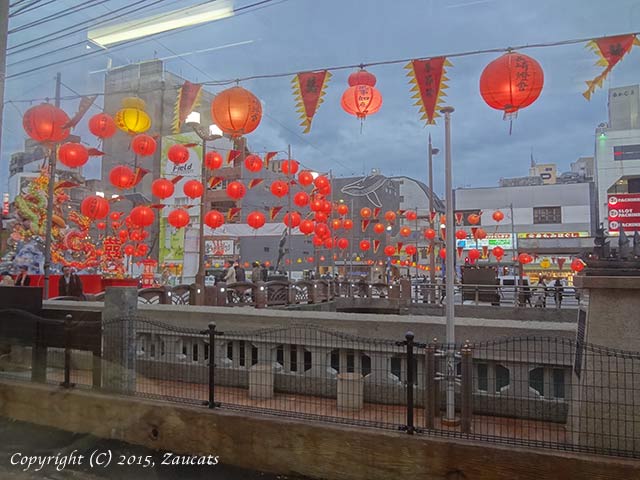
[[138, 175], [94, 152], [365, 224], [85, 104], [187, 101], [175, 180], [401, 212], [474, 232], [432, 216], [610, 51], [428, 78], [376, 212], [443, 233], [399, 247], [376, 246], [459, 249], [232, 155], [459, 216], [255, 182], [232, 213], [190, 145], [215, 181], [561, 261], [308, 89], [268, 157], [274, 212], [429, 249]]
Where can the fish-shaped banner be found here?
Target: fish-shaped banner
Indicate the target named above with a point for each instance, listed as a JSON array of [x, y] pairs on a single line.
[[428, 78], [610, 51], [308, 89]]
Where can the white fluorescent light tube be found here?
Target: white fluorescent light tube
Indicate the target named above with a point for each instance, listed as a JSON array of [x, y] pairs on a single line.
[[165, 22]]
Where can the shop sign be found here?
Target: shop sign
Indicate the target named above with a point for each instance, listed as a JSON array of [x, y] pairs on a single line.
[[545, 235], [624, 209], [219, 248], [503, 240]]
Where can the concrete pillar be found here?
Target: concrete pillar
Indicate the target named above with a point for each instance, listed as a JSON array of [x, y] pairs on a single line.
[[119, 339], [380, 371], [394, 292], [221, 294], [350, 391], [261, 381], [260, 295]]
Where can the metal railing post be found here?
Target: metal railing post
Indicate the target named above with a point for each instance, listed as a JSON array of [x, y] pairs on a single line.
[[409, 344], [211, 403], [430, 386], [466, 407], [67, 352]]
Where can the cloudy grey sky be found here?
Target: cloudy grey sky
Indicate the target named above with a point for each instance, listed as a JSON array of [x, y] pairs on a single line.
[[298, 35]]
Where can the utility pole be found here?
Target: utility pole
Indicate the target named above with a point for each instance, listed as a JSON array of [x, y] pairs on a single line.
[[4, 34], [289, 256], [50, 194], [450, 275]]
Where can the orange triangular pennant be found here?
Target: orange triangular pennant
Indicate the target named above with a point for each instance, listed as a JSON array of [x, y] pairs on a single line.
[[308, 89], [273, 213], [232, 213], [376, 246], [428, 78], [187, 100], [232, 155], [255, 182], [365, 225], [610, 51], [215, 181], [268, 157]]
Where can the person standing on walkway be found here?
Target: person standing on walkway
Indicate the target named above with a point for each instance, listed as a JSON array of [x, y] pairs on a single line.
[[230, 276], [70, 284], [558, 292]]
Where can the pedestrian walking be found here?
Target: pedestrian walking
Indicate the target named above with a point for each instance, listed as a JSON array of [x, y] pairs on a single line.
[[558, 292]]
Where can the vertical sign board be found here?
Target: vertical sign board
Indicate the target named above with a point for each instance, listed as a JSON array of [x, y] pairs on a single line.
[[624, 209]]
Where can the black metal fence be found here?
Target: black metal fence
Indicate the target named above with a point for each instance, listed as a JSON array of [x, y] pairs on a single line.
[[543, 392]]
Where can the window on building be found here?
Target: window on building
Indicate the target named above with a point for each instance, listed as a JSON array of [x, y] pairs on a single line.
[[266, 249], [502, 378], [536, 380], [547, 215], [626, 152], [558, 383], [482, 373]]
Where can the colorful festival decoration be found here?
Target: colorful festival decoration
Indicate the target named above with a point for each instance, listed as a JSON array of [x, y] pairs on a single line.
[[162, 188], [301, 199], [273, 213], [365, 245], [178, 218], [292, 219], [132, 118], [121, 177], [46, 123], [306, 227], [143, 145], [511, 82], [142, 216], [253, 163], [305, 178], [361, 101], [213, 160], [187, 101], [94, 207], [290, 167], [610, 50], [411, 215], [279, 188], [193, 189], [236, 111], [178, 154], [498, 216], [389, 250], [577, 265], [236, 190], [365, 212], [73, 155], [347, 224], [309, 90], [256, 220], [102, 125], [214, 219], [428, 78]]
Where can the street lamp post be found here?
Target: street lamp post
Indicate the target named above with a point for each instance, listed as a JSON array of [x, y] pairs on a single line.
[[449, 275], [206, 135], [432, 254]]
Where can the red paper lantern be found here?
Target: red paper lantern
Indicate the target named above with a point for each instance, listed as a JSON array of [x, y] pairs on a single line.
[[342, 209], [362, 77], [525, 258], [336, 224], [511, 82], [328, 243], [365, 212], [101, 225], [379, 228], [102, 125], [410, 215], [213, 160], [390, 216], [498, 216], [429, 234], [577, 265], [253, 163], [473, 219], [410, 249], [306, 226], [46, 123], [310, 259], [480, 234], [305, 178], [474, 254], [347, 224], [290, 167], [129, 249], [292, 219], [443, 253], [73, 155], [115, 216], [236, 190], [461, 234], [279, 188], [142, 250], [322, 230], [361, 100], [162, 188], [342, 243], [405, 232], [389, 250], [320, 217], [498, 252], [94, 207], [121, 177], [236, 111], [193, 189], [365, 245], [178, 154], [214, 219], [316, 205], [321, 182], [256, 220], [178, 218], [326, 207], [301, 199], [143, 144], [142, 216], [325, 190], [317, 241]]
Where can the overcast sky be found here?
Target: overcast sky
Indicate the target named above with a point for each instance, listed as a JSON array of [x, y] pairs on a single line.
[[298, 35]]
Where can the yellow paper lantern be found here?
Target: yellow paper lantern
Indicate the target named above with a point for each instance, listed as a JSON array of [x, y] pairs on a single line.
[[357, 259], [134, 102], [299, 260], [133, 120], [545, 263]]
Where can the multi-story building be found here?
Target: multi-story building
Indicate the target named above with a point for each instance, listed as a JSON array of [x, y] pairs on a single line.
[[553, 223], [617, 162]]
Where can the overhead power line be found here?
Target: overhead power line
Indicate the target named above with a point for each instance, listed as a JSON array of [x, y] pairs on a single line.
[[29, 8], [57, 15]]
